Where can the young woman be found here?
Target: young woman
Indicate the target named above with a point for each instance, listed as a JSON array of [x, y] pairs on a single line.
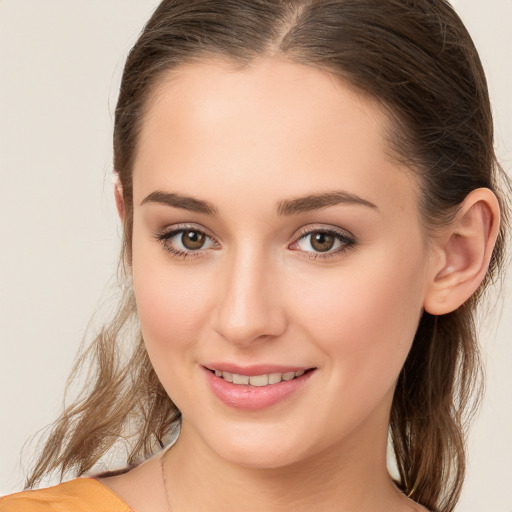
[[311, 213]]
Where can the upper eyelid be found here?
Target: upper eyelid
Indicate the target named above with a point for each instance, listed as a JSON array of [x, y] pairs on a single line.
[[165, 235], [307, 230], [302, 232], [176, 228]]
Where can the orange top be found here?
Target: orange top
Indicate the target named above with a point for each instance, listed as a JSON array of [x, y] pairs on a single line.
[[79, 495]]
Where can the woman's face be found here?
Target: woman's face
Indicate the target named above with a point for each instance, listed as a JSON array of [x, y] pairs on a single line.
[[274, 236]]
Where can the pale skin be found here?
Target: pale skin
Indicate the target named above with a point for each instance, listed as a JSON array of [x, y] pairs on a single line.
[[246, 144]]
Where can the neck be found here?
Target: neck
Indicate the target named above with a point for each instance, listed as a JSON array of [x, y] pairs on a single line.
[[343, 478]]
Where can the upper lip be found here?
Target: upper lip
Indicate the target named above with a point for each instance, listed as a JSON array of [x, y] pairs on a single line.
[[255, 369]]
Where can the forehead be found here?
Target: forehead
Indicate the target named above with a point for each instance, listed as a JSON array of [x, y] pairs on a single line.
[[212, 124]]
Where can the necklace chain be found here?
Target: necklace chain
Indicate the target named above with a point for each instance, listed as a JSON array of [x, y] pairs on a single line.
[[164, 477], [163, 458]]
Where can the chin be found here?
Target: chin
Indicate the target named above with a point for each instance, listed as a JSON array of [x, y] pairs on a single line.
[[288, 450], [257, 458], [256, 446]]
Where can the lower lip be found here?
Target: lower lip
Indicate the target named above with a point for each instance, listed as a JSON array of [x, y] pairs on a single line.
[[254, 398]]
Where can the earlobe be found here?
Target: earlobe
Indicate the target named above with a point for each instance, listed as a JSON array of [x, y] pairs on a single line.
[[118, 195], [466, 249]]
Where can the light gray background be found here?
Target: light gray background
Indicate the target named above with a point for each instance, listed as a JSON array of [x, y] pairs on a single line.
[[60, 63]]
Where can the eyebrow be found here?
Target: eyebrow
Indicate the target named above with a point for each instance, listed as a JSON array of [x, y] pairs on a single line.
[[180, 201], [319, 201], [285, 207]]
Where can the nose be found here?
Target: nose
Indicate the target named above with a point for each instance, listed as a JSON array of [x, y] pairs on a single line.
[[249, 308]]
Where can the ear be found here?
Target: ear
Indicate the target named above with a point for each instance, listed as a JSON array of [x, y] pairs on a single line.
[[465, 250], [118, 195]]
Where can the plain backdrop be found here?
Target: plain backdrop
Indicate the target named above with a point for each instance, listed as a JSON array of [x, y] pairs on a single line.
[[60, 65]]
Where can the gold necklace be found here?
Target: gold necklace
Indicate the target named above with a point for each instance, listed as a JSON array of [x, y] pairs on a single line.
[[163, 458], [164, 479]]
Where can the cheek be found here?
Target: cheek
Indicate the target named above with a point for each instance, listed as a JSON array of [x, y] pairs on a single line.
[[172, 302], [365, 315]]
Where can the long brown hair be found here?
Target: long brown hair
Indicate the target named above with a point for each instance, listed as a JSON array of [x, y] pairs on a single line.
[[417, 60]]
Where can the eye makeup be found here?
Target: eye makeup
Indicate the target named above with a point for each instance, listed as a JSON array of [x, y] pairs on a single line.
[[324, 242], [185, 241]]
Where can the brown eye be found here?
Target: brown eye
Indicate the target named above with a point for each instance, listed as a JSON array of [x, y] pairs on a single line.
[[187, 242], [322, 241], [193, 240]]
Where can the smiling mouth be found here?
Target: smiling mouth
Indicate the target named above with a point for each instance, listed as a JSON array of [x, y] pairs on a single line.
[[266, 379]]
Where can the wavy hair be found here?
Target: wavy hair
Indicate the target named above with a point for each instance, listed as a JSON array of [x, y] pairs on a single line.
[[417, 60]]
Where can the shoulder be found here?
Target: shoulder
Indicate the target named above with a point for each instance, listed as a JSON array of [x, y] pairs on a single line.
[[79, 495]]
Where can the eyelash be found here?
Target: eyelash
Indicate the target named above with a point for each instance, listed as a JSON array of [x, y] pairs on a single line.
[[165, 237], [346, 240]]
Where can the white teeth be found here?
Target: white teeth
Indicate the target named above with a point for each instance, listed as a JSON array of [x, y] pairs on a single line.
[[274, 378], [240, 379], [259, 380]]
